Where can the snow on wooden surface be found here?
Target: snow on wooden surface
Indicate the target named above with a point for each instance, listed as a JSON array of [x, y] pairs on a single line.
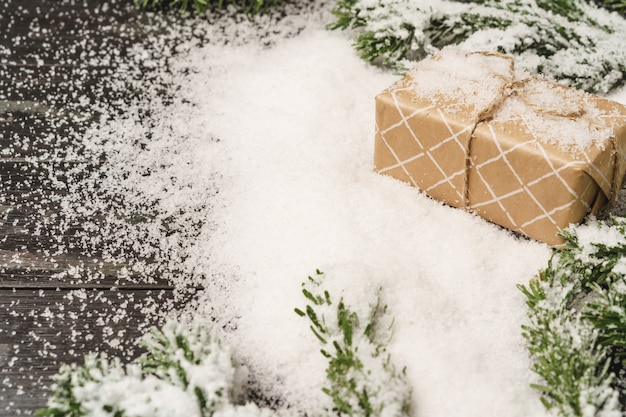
[[253, 173]]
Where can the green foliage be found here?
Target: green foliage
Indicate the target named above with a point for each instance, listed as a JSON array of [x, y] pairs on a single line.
[[618, 6], [186, 372], [570, 41], [251, 7], [362, 380], [577, 322], [174, 351], [608, 312], [64, 402]]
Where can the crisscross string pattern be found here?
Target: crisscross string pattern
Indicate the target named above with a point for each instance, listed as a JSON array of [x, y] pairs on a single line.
[[418, 142], [510, 86]]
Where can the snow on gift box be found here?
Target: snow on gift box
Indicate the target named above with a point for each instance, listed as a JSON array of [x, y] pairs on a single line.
[[518, 150]]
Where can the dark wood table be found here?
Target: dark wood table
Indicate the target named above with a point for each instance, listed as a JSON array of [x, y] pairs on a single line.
[[47, 315]]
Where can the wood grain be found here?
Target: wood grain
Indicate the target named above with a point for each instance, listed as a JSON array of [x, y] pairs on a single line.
[[41, 329], [55, 306]]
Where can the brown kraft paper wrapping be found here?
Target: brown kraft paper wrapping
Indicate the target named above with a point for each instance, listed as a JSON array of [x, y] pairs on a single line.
[[498, 167]]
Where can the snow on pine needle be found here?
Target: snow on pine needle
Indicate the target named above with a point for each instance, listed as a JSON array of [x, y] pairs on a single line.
[[577, 322], [361, 378], [618, 6], [571, 41], [186, 372], [213, 144]]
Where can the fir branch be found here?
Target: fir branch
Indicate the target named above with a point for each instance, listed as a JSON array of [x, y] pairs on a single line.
[[362, 380], [345, 15], [251, 7], [71, 382], [618, 6], [186, 372], [570, 41], [607, 311], [577, 322], [179, 354]]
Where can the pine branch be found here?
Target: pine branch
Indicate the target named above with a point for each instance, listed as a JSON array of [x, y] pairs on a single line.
[[362, 380], [577, 322], [607, 311], [70, 384], [186, 372], [618, 6], [179, 354], [570, 41]]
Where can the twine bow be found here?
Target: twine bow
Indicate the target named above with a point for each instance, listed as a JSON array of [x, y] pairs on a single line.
[[518, 87], [511, 86]]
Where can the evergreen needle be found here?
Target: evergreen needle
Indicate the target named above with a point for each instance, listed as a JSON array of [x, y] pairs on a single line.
[[362, 381], [576, 330], [570, 41]]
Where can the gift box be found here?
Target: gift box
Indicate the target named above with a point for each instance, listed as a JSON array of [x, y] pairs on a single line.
[[520, 151]]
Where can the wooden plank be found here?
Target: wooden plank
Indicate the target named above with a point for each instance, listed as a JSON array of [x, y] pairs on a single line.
[[68, 33], [30, 215], [26, 183], [41, 329], [39, 245], [55, 307], [24, 270], [52, 85]]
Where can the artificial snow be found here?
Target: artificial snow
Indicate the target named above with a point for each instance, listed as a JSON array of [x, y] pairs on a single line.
[[458, 81], [295, 124], [486, 85], [261, 169], [597, 236]]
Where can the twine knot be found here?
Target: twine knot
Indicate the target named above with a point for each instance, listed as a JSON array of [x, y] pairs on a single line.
[[542, 96]]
